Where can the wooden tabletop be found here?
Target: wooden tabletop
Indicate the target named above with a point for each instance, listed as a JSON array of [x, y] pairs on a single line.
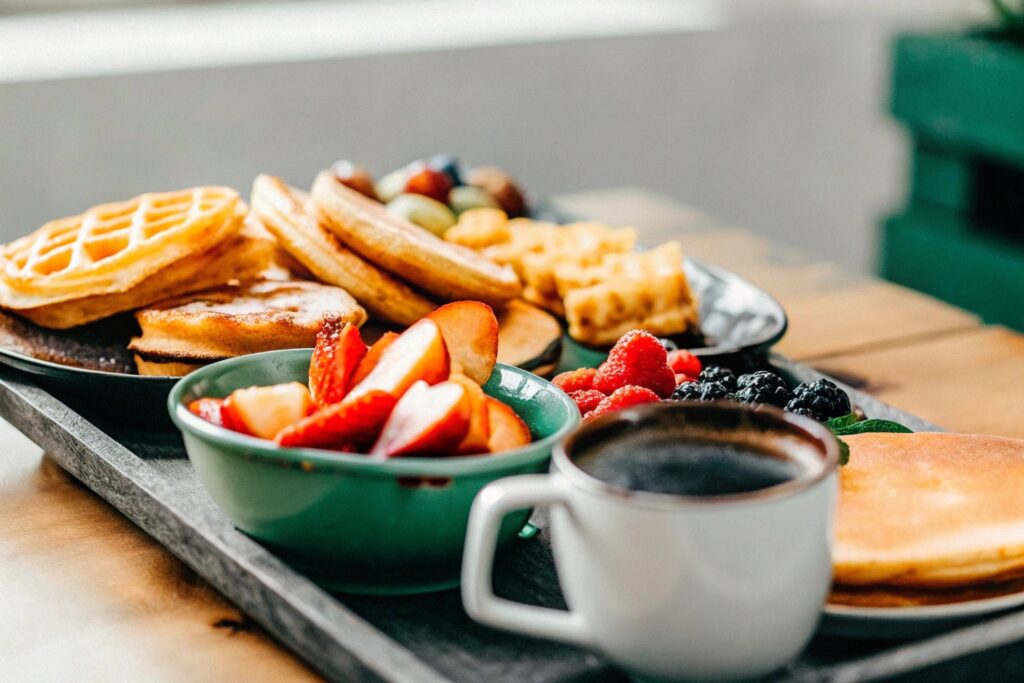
[[89, 596]]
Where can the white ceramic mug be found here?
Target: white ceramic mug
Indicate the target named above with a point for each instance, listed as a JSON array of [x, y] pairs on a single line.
[[674, 587]]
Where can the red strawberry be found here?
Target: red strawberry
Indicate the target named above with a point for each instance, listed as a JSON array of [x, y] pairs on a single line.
[[683, 362], [637, 359], [369, 361], [210, 409], [337, 354], [586, 399], [347, 426], [575, 380], [624, 397]]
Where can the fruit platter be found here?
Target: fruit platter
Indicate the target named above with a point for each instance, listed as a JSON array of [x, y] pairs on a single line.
[[379, 353]]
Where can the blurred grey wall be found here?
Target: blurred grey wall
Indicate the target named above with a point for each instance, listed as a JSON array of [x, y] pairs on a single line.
[[772, 123]]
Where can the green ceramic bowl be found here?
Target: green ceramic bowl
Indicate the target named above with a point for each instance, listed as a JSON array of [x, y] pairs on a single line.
[[353, 524]]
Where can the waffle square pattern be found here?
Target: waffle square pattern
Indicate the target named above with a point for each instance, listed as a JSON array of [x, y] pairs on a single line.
[[112, 247]]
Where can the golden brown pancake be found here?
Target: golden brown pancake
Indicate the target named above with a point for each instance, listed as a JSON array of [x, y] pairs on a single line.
[[284, 211], [449, 271], [233, 321], [930, 511]]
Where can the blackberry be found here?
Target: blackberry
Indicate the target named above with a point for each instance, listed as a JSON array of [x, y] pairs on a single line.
[[820, 399], [720, 375], [701, 391], [668, 344], [763, 387]]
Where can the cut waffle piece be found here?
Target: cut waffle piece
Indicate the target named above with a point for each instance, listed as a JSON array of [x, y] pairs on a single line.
[[662, 305], [446, 270], [112, 247], [233, 321], [285, 212], [244, 256]]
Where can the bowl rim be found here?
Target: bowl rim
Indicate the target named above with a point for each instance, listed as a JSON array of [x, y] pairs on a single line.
[[309, 459]]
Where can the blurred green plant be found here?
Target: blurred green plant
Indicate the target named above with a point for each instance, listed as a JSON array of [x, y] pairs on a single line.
[[1011, 14]]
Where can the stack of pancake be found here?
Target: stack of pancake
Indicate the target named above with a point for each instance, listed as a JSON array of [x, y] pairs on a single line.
[[928, 519]]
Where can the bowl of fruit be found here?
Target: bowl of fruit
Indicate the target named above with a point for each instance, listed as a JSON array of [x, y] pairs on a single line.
[[358, 464]]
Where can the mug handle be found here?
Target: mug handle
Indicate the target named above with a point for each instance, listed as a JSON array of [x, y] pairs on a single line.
[[491, 505]]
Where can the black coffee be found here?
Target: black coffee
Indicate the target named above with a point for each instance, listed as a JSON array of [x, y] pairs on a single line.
[[683, 466]]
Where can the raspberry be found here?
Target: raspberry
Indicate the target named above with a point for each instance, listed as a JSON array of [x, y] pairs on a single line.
[[624, 397], [575, 380], [683, 362], [637, 359], [586, 399]]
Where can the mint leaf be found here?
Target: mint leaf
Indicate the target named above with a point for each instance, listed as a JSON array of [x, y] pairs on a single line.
[[844, 452], [871, 426], [840, 422]]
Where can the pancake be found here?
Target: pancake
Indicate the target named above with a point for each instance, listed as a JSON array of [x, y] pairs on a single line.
[[233, 321], [930, 511]]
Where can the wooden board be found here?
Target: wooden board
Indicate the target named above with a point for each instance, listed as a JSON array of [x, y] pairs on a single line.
[[427, 638]]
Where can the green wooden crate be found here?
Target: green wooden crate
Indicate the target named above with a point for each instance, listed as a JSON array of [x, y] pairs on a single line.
[[933, 250], [963, 92]]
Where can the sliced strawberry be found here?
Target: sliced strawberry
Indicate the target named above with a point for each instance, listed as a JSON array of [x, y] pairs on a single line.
[[338, 351], [349, 426], [369, 361], [427, 420], [470, 332], [209, 409], [418, 353], [508, 431], [264, 411], [475, 441]]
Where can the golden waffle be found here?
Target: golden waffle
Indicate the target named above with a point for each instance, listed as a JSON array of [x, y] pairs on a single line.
[[447, 270], [929, 512], [233, 321], [112, 247], [244, 256], [600, 314], [284, 211]]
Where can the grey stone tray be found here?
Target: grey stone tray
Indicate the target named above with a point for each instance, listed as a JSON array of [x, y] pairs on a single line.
[[145, 474]]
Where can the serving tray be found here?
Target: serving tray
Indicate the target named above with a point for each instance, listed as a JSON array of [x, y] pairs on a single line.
[[146, 475]]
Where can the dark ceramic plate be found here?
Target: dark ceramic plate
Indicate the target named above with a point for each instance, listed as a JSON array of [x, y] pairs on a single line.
[[739, 322]]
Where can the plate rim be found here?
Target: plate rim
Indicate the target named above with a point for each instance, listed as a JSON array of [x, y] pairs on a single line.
[[925, 613], [52, 369]]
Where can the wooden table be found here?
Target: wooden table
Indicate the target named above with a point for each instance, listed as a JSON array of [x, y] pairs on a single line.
[[89, 596]]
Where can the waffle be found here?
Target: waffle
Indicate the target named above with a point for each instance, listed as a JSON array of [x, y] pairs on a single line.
[[233, 321], [244, 256], [112, 247], [284, 211], [446, 270]]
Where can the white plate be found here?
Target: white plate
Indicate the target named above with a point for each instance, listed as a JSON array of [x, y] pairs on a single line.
[[892, 623]]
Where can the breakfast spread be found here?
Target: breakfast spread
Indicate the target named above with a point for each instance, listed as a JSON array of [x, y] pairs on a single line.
[[417, 393], [588, 273]]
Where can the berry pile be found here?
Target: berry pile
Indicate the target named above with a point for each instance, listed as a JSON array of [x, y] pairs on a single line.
[[638, 370], [643, 369]]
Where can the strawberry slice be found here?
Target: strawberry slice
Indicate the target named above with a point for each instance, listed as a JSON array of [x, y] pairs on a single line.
[[338, 352], [349, 426], [264, 411], [209, 409], [372, 357], [427, 420], [475, 441], [508, 431]]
